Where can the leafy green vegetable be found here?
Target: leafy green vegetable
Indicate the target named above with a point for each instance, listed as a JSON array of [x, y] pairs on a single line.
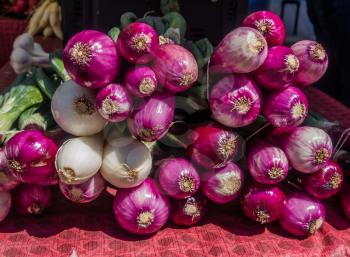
[[20, 97], [177, 21], [56, 62], [114, 33], [45, 83], [155, 22], [38, 117], [127, 18]]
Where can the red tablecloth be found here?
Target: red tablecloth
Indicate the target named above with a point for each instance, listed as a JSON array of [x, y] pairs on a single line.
[[91, 230]]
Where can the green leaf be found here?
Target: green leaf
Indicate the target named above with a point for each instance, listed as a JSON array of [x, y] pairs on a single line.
[[114, 33], [45, 83], [57, 64], [167, 6], [127, 18]]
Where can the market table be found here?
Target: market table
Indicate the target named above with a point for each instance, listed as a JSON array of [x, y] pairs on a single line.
[[90, 229]]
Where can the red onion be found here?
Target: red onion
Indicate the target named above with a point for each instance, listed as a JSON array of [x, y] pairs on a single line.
[[114, 103], [7, 182], [269, 25], [223, 185], [137, 40], [141, 210], [235, 101], [85, 192], [5, 204], [302, 215], [141, 81], [151, 119], [189, 211], [325, 182], [263, 203], [267, 163], [344, 197], [279, 69], [313, 61], [308, 149], [286, 108], [91, 59], [30, 157], [178, 178], [31, 199], [242, 50], [213, 146], [175, 67]]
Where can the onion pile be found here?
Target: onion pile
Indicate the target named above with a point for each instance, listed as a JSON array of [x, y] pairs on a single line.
[[168, 130]]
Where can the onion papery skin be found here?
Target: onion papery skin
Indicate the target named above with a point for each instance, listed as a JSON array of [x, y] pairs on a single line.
[[269, 25], [223, 185], [279, 68], [189, 211], [73, 108], [85, 192], [91, 59], [141, 81], [344, 198], [31, 157], [126, 162], [5, 204], [175, 67], [114, 103], [325, 182], [263, 203], [243, 50], [267, 164], [7, 182], [141, 210], [302, 215], [307, 148], [136, 41], [213, 146], [313, 62], [178, 178], [80, 158], [31, 199], [235, 101], [286, 107], [151, 119]]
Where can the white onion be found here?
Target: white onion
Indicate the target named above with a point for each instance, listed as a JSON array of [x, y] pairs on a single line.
[[5, 204], [73, 108], [78, 159], [126, 162]]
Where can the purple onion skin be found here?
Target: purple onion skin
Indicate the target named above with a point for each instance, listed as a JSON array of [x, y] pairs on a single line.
[[235, 101], [313, 62], [151, 119], [114, 103], [213, 146], [302, 215], [286, 107], [189, 211], [344, 198], [269, 25], [91, 59], [263, 203], [31, 199], [223, 185], [267, 164], [141, 210], [136, 41], [141, 81], [307, 148], [243, 50], [279, 69], [7, 182], [30, 158], [5, 204], [325, 182], [178, 178], [85, 192], [175, 67]]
